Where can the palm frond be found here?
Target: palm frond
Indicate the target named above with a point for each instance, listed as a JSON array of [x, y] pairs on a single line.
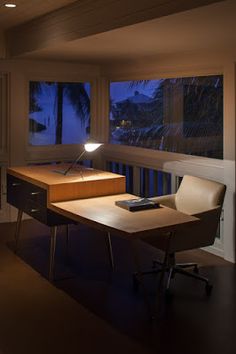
[[80, 100]]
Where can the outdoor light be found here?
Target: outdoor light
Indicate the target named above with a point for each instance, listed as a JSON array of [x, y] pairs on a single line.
[[89, 146]]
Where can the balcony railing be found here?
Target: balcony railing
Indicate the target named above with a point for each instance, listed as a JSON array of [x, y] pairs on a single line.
[[144, 182]]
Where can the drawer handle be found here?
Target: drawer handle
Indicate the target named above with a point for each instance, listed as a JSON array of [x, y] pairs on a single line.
[[35, 193], [16, 184], [34, 210]]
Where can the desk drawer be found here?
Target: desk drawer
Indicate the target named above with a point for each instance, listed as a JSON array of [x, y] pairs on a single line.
[[19, 192], [32, 200], [36, 210], [45, 215]]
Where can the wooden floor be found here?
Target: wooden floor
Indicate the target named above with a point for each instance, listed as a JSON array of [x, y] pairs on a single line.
[[190, 321]]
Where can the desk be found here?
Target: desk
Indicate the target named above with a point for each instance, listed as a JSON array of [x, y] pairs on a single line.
[[32, 189], [103, 214]]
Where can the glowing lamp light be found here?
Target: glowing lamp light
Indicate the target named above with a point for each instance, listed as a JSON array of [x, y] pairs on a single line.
[[90, 147]]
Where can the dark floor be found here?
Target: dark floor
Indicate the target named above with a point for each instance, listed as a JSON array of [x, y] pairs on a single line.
[[190, 321]]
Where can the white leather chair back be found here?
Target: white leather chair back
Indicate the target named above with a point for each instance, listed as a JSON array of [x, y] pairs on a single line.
[[196, 195]]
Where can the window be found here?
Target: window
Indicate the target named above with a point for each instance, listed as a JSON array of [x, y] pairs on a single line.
[[183, 115], [59, 112]]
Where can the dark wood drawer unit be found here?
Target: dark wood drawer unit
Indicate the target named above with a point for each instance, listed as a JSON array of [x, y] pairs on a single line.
[[32, 200], [20, 191]]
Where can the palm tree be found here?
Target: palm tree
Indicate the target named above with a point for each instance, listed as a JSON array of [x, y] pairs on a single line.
[[79, 99], [77, 95], [35, 90]]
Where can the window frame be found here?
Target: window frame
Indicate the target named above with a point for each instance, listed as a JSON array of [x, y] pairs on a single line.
[[201, 73], [170, 162], [60, 152]]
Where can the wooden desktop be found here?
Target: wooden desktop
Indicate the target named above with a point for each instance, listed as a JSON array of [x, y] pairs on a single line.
[[102, 213]]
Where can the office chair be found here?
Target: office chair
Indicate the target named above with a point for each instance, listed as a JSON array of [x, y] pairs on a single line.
[[199, 197]]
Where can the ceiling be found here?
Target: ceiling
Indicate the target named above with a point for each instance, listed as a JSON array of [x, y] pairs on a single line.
[[205, 28], [27, 10]]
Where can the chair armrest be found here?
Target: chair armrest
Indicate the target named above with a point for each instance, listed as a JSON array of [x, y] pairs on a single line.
[[167, 200], [214, 212], [189, 236]]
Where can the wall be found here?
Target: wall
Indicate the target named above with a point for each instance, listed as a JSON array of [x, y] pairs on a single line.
[[2, 45]]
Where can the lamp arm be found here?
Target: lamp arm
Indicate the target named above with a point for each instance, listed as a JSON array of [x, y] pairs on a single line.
[[74, 162]]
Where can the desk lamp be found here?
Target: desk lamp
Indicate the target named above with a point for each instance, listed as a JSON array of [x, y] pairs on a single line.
[[89, 146]]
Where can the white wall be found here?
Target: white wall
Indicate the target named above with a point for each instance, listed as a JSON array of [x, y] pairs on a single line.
[[2, 45]]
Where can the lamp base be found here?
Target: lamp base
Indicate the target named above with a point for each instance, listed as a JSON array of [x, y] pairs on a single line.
[[63, 172]]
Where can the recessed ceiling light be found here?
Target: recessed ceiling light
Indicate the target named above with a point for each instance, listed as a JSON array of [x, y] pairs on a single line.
[[10, 5]]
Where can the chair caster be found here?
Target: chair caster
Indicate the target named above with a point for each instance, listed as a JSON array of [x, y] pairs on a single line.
[[208, 289]]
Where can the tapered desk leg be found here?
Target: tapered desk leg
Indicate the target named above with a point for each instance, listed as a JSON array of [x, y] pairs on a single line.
[[53, 232], [17, 230], [110, 251], [161, 286], [67, 241], [67, 236], [139, 277]]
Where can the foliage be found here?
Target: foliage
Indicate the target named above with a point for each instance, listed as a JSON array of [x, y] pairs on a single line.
[[179, 111], [75, 92], [35, 90]]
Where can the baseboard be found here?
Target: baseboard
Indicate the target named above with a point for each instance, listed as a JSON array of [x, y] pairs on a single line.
[[214, 250]]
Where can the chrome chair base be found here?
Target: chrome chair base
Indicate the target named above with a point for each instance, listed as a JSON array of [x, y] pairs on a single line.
[[172, 268]]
